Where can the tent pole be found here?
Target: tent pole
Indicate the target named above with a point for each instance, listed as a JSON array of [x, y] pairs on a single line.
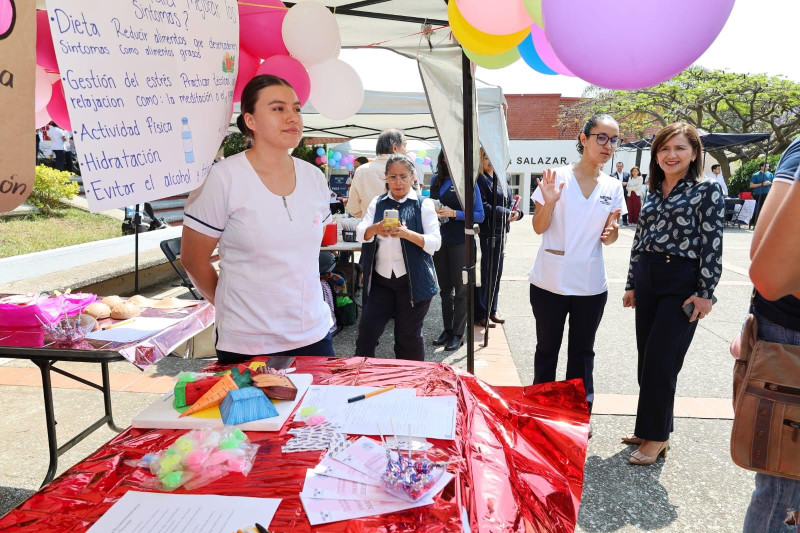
[[468, 88], [137, 219], [490, 281]]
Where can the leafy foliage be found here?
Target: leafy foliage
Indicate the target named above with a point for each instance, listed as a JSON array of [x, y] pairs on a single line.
[[740, 181], [712, 100], [51, 186], [233, 144]]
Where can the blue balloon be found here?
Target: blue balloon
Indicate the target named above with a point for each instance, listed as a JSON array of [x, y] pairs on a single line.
[[350, 167], [320, 151], [337, 155], [531, 57], [419, 160]]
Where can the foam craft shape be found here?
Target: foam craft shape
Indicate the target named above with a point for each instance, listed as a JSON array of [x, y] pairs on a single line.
[[189, 392], [478, 41], [246, 405], [496, 61], [534, 8], [529, 54], [214, 396], [57, 107], [546, 53], [41, 118], [45, 51], [290, 70], [260, 28], [498, 17], [247, 69], [340, 100], [307, 19], [678, 32]]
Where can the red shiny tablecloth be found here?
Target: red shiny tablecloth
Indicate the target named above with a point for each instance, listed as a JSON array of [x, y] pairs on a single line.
[[523, 452]]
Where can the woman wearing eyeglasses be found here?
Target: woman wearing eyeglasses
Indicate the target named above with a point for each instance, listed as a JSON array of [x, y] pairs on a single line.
[[400, 232], [577, 209]]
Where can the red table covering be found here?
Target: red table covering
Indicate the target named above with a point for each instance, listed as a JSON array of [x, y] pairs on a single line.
[[522, 453]]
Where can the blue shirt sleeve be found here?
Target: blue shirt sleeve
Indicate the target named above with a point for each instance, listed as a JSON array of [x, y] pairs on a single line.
[[477, 209], [789, 163]]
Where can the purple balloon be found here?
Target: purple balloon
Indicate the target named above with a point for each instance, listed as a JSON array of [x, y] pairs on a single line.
[[426, 161], [678, 32]]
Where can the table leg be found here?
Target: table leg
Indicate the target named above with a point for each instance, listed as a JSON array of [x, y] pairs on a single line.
[[107, 397], [50, 417]]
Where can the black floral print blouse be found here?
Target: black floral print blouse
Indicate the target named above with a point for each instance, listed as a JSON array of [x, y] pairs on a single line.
[[687, 224]]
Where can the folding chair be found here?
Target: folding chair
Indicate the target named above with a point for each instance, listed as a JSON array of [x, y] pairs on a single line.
[[172, 249]]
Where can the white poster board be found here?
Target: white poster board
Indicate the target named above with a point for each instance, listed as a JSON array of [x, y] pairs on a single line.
[[149, 89]]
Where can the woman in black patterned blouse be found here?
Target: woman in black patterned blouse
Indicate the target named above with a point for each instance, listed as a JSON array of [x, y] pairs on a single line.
[[676, 263]]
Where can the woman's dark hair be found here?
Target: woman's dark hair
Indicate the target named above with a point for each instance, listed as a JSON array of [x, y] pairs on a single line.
[[637, 169], [362, 160], [442, 175], [591, 123], [663, 136], [250, 97]]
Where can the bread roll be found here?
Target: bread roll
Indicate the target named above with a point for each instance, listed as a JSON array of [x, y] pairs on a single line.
[[98, 310], [112, 301], [125, 310], [141, 301]]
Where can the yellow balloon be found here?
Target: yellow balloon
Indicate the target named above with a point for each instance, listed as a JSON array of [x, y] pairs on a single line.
[[534, 8], [478, 41], [495, 61]]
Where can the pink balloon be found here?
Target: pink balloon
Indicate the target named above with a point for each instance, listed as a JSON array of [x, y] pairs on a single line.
[[546, 53], [678, 32], [290, 70], [42, 89], [45, 51], [247, 69], [57, 108], [41, 118], [260, 28], [499, 17]]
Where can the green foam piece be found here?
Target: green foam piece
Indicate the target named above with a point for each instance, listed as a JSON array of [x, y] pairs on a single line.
[[243, 379], [179, 399]]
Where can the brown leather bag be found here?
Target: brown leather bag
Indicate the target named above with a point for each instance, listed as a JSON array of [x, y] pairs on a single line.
[[766, 404]]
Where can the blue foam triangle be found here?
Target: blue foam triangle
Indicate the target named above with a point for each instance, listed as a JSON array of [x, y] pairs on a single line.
[[246, 405]]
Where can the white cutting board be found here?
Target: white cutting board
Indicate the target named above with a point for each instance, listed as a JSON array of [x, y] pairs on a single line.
[[161, 414]]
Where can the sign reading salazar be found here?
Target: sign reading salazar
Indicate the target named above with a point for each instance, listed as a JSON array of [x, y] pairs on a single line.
[[149, 88]]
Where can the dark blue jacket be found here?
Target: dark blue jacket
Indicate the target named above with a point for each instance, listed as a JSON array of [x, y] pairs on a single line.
[[419, 263], [453, 230], [503, 210]]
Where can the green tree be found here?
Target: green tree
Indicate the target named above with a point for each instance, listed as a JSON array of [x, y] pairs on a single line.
[[712, 100]]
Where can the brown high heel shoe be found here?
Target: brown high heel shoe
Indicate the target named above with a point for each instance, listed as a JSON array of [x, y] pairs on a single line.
[[631, 438], [639, 458]]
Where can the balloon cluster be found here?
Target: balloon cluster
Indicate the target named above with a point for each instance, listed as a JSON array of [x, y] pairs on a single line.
[[592, 40], [281, 37], [200, 457], [335, 159]]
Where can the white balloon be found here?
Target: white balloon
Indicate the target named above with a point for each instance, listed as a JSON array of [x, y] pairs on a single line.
[[42, 89], [310, 32], [41, 118], [336, 89]]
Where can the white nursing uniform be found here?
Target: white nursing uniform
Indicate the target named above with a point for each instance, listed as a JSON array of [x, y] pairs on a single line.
[[269, 298], [576, 225]]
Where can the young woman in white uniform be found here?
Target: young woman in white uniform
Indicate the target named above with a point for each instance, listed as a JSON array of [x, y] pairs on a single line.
[[267, 211], [577, 209]]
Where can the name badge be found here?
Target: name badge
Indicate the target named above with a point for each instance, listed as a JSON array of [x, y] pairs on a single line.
[[605, 200]]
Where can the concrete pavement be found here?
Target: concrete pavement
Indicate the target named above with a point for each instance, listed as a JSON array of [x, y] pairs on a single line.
[[697, 488]]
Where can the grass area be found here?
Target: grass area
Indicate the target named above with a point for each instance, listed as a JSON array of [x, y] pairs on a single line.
[[68, 226]]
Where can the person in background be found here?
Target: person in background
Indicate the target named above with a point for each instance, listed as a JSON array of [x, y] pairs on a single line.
[[60, 144], [267, 211], [369, 179], [776, 277], [577, 210], [361, 160], [450, 259], [399, 276], [716, 175], [760, 184], [623, 178], [498, 220], [634, 196], [675, 265]]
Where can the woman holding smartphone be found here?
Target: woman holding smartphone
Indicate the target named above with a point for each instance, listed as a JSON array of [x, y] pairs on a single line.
[[400, 232], [676, 263]]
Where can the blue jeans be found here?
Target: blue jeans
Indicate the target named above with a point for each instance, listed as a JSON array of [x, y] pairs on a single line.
[[774, 496]]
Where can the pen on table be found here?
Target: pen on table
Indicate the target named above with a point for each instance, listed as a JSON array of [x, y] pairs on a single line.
[[261, 529], [326, 218], [367, 395], [118, 324]]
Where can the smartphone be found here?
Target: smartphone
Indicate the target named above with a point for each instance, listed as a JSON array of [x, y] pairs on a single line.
[[391, 217], [688, 309]]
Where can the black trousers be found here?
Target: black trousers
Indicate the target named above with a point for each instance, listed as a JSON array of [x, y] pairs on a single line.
[[61, 159], [482, 292], [388, 298], [321, 348], [550, 311], [663, 334], [449, 261]]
